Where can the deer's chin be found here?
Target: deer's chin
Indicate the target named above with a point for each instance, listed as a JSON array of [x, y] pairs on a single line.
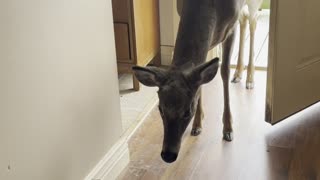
[[169, 157]]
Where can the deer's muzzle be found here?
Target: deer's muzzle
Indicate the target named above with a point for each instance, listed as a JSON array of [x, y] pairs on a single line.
[[169, 157]]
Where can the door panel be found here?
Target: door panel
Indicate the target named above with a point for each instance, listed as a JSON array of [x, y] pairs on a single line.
[[120, 10], [294, 58], [122, 39]]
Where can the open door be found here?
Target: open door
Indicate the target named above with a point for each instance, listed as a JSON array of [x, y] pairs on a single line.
[[293, 81]]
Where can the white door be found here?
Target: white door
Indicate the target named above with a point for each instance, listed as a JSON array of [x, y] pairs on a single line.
[[294, 58]]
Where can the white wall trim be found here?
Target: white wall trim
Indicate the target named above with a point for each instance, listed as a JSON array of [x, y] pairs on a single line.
[[111, 165]]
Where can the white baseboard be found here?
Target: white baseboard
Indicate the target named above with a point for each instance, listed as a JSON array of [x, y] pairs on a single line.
[[112, 163]]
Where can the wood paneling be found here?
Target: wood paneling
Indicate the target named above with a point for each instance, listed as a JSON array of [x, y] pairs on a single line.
[[147, 35], [122, 39], [120, 10], [138, 43]]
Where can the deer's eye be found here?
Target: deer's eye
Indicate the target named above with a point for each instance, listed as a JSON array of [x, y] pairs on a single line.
[[187, 114]]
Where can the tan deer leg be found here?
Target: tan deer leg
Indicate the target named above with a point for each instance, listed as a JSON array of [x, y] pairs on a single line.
[[240, 65], [197, 122], [225, 73], [251, 66]]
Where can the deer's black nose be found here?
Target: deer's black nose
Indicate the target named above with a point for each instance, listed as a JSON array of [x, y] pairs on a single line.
[[169, 157]]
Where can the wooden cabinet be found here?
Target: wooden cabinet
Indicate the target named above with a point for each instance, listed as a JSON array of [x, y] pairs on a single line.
[[121, 31], [137, 34]]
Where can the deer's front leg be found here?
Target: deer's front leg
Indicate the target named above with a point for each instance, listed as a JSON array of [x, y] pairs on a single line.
[[225, 73], [197, 122]]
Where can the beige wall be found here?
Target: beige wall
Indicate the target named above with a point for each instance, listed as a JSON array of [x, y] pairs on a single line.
[[59, 101], [166, 8], [169, 21]]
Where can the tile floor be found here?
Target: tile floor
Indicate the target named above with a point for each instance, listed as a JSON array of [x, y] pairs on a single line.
[[135, 105]]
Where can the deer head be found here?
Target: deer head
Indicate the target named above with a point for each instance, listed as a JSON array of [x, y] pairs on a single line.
[[178, 97]]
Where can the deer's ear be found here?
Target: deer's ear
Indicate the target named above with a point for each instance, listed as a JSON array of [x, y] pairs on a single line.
[[149, 76], [204, 73]]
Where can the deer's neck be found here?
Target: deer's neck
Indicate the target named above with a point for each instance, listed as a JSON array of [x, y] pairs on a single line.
[[195, 34]]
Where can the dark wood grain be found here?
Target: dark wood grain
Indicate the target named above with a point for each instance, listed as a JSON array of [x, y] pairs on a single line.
[[120, 9], [122, 40]]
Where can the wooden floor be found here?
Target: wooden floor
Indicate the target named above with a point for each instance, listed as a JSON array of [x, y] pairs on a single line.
[[288, 150]]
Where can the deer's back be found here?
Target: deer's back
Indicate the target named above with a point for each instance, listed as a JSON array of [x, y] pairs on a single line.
[[203, 25]]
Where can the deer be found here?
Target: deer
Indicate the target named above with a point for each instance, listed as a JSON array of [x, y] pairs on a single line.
[[203, 25], [249, 13]]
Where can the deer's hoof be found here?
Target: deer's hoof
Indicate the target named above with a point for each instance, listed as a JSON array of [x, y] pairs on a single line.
[[236, 79], [250, 85], [228, 136], [196, 131]]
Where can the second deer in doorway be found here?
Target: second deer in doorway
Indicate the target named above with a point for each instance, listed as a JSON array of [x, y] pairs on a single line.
[[203, 25], [249, 12]]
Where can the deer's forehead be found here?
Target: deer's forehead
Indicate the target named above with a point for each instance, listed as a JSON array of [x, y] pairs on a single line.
[[174, 97], [175, 84]]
